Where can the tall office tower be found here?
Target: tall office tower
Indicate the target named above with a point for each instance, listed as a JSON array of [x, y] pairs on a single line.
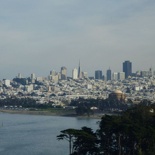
[[33, 76], [98, 74], [74, 73], [150, 72], [121, 75], [63, 73], [53, 72], [109, 74], [85, 75], [19, 75], [127, 68], [115, 76], [79, 71]]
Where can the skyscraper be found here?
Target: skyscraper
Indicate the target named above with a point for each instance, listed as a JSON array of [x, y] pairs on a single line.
[[121, 75], [75, 73], [19, 75], [127, 68], [33, 76], [109, 74], [79, 71], [53, 72], [84, 75], [115, 76], [98, 74], [63, 73]]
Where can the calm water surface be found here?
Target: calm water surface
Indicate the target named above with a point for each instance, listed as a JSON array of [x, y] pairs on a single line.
[[36, 135]]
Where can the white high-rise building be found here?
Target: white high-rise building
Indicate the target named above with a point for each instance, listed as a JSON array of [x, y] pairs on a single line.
[[75, 73], [7, 83], [121, 75], [53, 72], [115, 76], [19, 75], [33, 76], [84, 75]]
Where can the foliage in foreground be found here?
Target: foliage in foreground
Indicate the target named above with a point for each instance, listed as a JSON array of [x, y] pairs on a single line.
[[132, 133]]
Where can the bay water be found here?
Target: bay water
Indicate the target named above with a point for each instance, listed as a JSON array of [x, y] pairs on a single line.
[[36, 134]]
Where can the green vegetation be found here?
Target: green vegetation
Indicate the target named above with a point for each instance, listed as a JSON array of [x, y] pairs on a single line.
[[24, 102], [81, 141], [132, 133], [31, 105], [79, 107], [102, 105]]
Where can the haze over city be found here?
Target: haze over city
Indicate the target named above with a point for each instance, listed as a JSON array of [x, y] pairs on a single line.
[[38, 36]]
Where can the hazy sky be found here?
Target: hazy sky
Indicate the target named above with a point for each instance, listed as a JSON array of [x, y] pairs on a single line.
[[37, 36]]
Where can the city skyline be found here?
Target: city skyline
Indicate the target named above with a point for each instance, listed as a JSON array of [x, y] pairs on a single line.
[[38, 36], [109, 74]]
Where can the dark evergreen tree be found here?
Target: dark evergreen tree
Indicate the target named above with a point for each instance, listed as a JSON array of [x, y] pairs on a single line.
[[132, 133]]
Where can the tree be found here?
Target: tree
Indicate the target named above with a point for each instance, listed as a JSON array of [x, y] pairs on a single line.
[[81, 142], [86, 142], [131, 133], [83, 109], [69, 135]]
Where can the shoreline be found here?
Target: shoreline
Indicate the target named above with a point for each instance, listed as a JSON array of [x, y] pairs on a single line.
[[27, 112], [47, 113]]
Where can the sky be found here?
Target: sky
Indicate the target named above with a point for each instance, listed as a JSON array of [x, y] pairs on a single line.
[[37, 36]]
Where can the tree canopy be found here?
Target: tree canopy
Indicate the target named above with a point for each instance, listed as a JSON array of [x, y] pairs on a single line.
[[131, 133]]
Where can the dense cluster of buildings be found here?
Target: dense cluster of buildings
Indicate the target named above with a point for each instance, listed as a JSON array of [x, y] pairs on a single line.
[[60, 89]]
